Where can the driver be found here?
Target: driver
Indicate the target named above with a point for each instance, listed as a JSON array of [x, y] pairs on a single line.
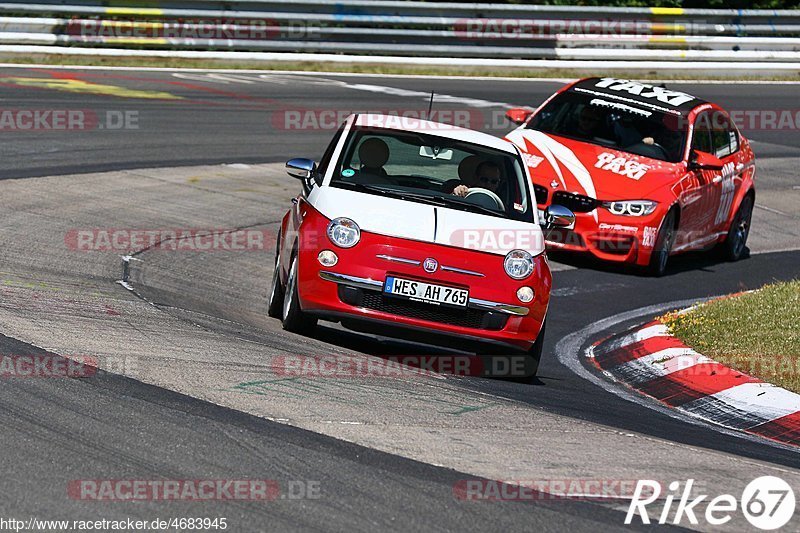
[[487, 176]]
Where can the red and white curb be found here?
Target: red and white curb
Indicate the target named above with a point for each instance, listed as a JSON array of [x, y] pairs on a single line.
[[651, 361]]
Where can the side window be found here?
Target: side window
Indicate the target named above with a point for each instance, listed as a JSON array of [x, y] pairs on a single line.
[[322, 166], [723, 135], [701, 138]]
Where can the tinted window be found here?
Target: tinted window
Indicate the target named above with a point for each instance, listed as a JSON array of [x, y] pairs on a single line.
[[724, 138], [426, 168], [701, 139], [629, 127]]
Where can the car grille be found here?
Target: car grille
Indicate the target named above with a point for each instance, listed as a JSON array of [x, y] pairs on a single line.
[[565, 236], [577, 203], [541, 194], [467, 318]]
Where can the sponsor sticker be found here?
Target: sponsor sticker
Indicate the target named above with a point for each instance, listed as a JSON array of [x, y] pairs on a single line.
[[622, 166], [644, 90], [532, 160], [617, 227], [649, 237]]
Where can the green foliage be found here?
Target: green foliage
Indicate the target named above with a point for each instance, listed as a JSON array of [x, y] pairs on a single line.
[[756, 333]]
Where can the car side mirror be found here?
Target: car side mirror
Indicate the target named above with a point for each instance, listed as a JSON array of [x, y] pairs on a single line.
[[704, 161], [558, 216], [302, 169], [518, 115]]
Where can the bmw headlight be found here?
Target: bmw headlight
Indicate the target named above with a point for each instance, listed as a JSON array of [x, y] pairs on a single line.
[[518, 264], [631, 208], [343, 232]]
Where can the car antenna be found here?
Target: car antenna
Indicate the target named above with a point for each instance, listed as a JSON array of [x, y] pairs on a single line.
[[430, 106]]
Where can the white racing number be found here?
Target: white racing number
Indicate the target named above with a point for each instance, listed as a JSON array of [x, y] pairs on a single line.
[[726, 199]]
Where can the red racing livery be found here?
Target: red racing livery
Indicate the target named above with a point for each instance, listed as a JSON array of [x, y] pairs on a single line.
[[648, 171]]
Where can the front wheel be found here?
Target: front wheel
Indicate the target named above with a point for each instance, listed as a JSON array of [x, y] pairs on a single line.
[[276, 294], [294, 319], [663, 246], [735, 245], [532, 358]]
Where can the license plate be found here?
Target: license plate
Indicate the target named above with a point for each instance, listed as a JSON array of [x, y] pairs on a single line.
[[419, 291]]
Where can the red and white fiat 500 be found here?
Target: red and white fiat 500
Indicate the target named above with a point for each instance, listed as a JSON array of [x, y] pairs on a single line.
[[409, 227], [648, 171]]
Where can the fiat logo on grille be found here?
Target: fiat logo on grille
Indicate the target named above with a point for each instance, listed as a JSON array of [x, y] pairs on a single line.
[[430, 265]]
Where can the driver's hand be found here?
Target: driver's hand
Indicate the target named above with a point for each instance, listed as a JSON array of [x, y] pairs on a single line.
[[461, 190]]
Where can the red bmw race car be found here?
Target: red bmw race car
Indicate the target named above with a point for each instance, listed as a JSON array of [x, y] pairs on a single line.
[[648, 171], [408, 227]]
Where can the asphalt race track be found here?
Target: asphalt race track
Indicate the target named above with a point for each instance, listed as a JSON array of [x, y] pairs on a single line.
[[185, 348]]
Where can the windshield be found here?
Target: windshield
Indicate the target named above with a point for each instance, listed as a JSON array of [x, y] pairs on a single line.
[[629, 127], [429, 169]]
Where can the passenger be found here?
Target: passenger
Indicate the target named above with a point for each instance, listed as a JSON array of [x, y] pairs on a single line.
[[373, 154]]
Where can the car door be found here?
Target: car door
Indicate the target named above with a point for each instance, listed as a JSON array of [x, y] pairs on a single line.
[[725, 143], [697, 191]]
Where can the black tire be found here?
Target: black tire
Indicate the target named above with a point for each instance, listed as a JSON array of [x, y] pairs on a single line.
[[275, 306], [294, 319], [735, 245], [532, 358], [664, 242]]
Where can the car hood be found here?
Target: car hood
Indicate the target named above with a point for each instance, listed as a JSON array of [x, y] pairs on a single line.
[[590, 169], [428, 223]]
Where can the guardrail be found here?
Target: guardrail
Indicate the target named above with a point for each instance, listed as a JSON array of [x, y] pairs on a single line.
[[405, 29]]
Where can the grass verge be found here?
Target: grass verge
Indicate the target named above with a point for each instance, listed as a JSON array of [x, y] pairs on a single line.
[[358, 68], [757, 333]]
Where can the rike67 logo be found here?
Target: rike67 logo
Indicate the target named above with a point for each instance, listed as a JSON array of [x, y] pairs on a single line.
[[767, 502]]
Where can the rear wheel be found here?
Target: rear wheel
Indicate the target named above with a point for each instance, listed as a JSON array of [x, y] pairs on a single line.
[[735, 245], [663, 246], [294, 319]]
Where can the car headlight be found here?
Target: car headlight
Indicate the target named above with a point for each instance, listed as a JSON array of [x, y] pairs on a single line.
[[518, 264], [631, 208], [343, 232]]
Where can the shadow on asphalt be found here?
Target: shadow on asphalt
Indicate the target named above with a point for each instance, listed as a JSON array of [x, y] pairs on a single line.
[[690, 261]]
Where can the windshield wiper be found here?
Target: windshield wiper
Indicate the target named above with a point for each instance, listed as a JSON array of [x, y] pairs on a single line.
[[439, 200], [455, 201], [392, 193]]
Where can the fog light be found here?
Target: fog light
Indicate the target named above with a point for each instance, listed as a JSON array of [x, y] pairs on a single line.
[[525, 294], [327, 258]]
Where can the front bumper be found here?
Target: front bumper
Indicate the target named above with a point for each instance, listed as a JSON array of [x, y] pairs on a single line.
[[608, 237], [352, 290]]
